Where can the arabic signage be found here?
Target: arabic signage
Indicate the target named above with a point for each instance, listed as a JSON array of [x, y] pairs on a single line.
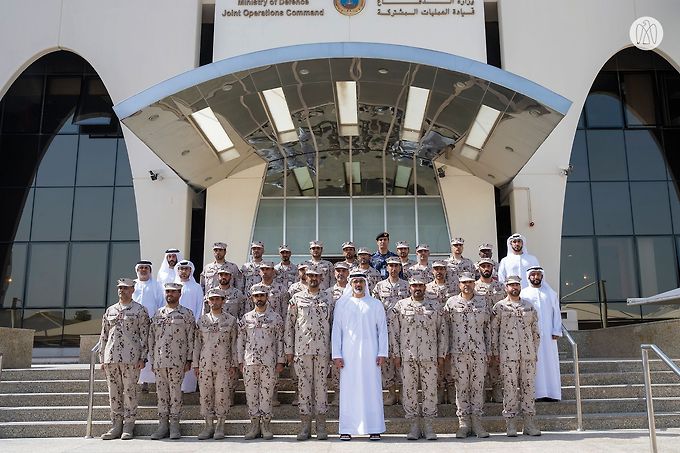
[[453, 26]]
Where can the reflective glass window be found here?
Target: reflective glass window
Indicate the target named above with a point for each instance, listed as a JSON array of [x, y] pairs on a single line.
[[23, 103], [675, 205], [20, 153], [399, 175], [300, 224], [577, 269], [269, 224], [17, 275], [123, 171], [61, 96], [92, 213], [432, 225], [87, 274], [332, 177], [301, 175], [639, 95], [334, 224], [611, 208], [52, 214], [81, 321], [124, 225], [603, 104], [617, 267], [657, 264], [273, 180], [427, 178], [48, 325], [96, 161], [607, 155], [47, 275], [401, 220], [123, 256], [651, 212], [369, 180], [24, 229], [623, 312], [58, 165], [578, 210], [368, 220]]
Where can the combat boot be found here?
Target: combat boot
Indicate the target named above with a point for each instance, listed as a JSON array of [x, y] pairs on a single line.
[[266, 429], [530, 428], [254, 431], [463, 427], [296, 400], [163, 430], [497, 393], [511, 427], [428, 431], [478, 428], [115, 431], [275, 399], [208, 429], [175, 432], [414, 432], [321, 432], [305, 427], [391, 398], [219, 429], [441, 395], [128, 430]]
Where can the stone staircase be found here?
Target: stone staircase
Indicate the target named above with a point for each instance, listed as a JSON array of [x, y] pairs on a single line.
[[50, 400]]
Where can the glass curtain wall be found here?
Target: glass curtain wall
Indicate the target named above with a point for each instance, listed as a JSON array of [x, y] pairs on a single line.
[[66, 169], [622, 210], [336, 196]]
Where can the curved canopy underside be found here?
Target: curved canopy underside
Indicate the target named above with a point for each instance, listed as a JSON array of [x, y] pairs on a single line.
[[406, 102]]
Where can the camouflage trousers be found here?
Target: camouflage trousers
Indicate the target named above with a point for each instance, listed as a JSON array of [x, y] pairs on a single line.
[[446, 377], [413, 373], [312, 371], [519, 387], [468, 374], [215, 392], [259, 381], [334, 377], [122, 381], [493, 375], [169, 391], [391, 375]]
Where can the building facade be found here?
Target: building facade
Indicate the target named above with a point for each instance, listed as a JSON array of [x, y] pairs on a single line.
[[561, 130]]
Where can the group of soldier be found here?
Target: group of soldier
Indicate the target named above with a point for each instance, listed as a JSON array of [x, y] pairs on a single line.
[[454, 329]]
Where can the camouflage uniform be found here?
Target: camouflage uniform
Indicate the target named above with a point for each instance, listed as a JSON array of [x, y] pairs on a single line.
[[494, 292], [251, 275], [469, 345], [214, 354], [372, 275], [389, 294], [308, 338], [235, 303], [286, 274], [419, 338], [456, 266], [515, 339], [209, 278], [441, 293], [260, 348], [295, 288], [171, 345], [124, 333], [406, 266], [327, 274], [278, 297], [425, 272]]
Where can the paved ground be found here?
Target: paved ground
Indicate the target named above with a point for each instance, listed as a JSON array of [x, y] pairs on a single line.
[[568, 442]]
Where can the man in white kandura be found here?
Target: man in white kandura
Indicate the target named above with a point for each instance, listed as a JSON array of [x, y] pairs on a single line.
[[544, 298], [517, 261], [359, 348], [167, 273], [191, 298]]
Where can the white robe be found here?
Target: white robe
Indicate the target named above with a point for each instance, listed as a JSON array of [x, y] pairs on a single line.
[[167, 274], [359, 337], [150, 294], [550, 323], [516, 265], [191, 298]]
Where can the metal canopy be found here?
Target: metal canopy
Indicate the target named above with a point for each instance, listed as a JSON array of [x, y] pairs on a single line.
[[236, 90]]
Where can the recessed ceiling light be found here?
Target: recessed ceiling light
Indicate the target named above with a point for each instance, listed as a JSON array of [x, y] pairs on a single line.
[[491, 176], [383, 71], [208, 179], [535, 112], [461, 84], [304, 71], [279, 112], [185, 152], [509, 149], [227, 87], [212, 129], [416, 103], [348, 118], [153, 117], [482, 126]]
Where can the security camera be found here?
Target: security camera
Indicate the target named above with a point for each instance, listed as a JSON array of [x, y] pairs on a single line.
[[441, 171], [155, 176], [567, 171]]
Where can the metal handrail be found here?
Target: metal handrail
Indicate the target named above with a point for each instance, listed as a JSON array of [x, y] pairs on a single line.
[[577, 379], [648, 386], [1, 354], [90, 400]]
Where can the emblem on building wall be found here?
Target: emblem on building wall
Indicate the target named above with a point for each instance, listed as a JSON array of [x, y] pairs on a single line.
[[646, 33], [349, 7]]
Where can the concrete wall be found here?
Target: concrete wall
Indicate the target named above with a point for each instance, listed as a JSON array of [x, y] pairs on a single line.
[[132, 45], [625, 341], [563, 45]]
